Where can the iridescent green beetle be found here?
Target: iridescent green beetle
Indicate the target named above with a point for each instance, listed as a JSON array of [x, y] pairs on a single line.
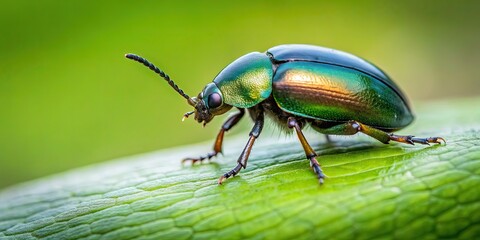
[[335, 92]]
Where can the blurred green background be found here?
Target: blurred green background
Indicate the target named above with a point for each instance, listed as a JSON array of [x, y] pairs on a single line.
[[69, 98]]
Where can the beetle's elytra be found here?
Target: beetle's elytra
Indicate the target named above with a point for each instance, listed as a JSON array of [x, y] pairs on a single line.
[[335, 92]]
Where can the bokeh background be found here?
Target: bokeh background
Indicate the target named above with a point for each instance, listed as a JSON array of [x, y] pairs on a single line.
[[69, 98]]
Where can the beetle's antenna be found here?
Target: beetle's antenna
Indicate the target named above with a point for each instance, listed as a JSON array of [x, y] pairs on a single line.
[[161, 73]]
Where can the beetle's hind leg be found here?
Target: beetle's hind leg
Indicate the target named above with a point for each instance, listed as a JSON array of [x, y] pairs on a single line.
[[309, 152], [412, 140], [352, 127], [217, 146]]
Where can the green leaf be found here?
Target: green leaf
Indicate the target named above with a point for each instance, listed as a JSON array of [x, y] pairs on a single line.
[[373, 190]]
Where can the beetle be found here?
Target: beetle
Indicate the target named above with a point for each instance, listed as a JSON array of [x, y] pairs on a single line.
[[334, 92]]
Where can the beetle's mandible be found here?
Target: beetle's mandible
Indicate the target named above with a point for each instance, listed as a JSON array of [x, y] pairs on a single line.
[[335, 92]]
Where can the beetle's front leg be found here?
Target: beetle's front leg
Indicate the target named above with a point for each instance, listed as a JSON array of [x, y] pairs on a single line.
[[242, 160], [217, 146], [309, 152]]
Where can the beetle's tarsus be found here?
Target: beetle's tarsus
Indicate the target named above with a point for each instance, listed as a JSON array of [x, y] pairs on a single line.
[[412, 139], [201, 158], [317, 170], [230, 173]]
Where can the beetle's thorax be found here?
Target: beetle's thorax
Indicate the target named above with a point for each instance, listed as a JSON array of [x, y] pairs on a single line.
[[247, 81]]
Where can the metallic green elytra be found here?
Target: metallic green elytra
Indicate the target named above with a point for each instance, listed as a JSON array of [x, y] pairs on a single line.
[[334, 93], [296, 85]]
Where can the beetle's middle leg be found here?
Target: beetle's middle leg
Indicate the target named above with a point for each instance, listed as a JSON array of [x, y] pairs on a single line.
[[309, 152], [352, 127], [217, 146]]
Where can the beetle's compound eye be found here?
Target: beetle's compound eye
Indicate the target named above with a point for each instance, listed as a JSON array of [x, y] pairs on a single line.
[[214, 100]]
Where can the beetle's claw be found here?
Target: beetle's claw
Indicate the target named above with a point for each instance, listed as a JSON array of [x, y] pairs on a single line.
[[225, 176], [320, 181], [439, 140], [194, 160], [201, 158], [221, 179]]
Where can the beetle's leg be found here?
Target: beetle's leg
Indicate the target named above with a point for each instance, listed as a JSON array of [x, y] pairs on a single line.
[[242, 160], [353, 127], [217, 146], [309, 152], [412, 140]]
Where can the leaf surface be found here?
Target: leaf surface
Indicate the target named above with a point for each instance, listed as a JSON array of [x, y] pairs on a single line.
[[372, 190]]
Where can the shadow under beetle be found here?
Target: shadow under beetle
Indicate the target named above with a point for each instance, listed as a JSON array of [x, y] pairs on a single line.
[[335, 92]]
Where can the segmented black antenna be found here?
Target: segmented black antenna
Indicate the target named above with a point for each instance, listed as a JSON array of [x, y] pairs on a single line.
[[159, 72]]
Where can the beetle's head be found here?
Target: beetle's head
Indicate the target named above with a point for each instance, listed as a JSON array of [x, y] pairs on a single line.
[[208, 104]]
